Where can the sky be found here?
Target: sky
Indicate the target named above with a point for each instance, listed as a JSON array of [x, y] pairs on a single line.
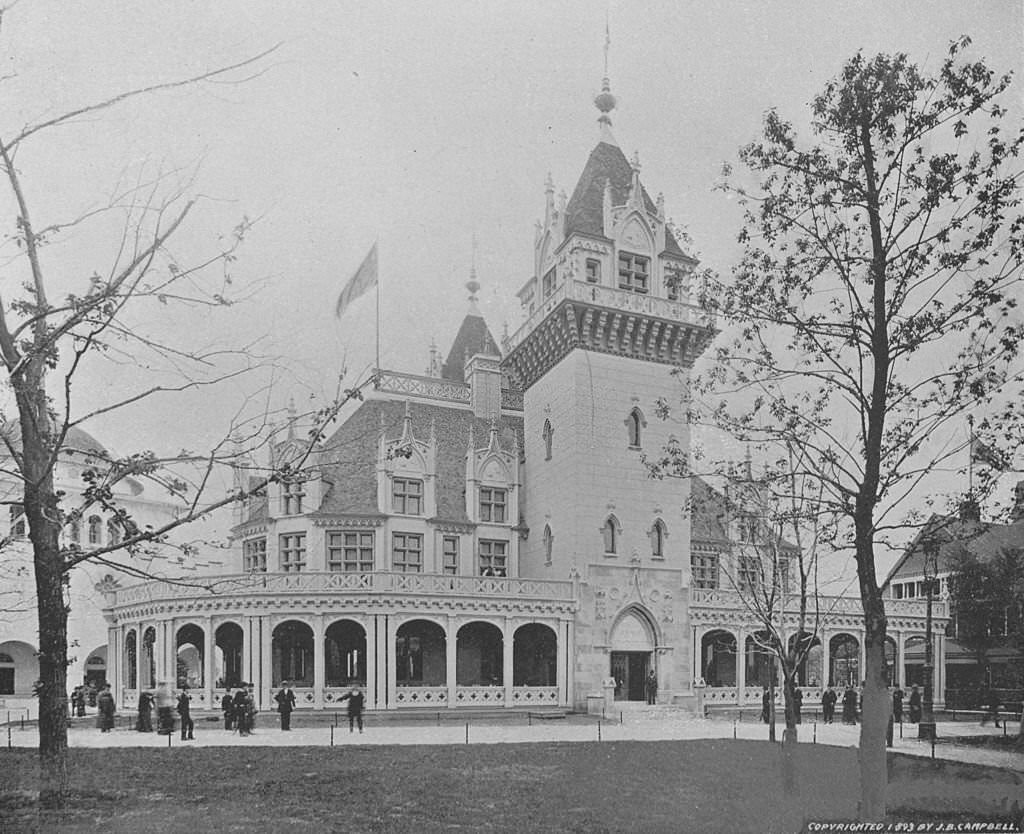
[[420, 126]]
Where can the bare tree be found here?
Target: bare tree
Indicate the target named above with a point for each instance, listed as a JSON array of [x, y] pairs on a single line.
[[47, 340]]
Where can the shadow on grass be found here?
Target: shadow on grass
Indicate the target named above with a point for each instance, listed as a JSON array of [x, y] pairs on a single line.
[[671, 786]]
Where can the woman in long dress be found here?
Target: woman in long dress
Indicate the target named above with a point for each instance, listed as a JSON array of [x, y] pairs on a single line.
[[144, 724], [105, 705]]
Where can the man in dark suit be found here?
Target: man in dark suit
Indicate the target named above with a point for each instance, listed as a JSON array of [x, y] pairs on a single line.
[[355, 707], [185, 711], [227, 704], [285, 704]]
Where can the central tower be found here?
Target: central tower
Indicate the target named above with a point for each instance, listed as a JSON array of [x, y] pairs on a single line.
[[610, 311]]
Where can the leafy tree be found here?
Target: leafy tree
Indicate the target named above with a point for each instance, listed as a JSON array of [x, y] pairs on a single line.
[[49, 335], [874, 305]]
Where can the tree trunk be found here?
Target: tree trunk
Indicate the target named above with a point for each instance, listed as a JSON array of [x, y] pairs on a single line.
[[875, 715], [790, 783], [42, 512]]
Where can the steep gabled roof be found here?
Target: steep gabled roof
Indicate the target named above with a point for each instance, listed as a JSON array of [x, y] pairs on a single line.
[[585, 210], [473, 337], [352, 454]]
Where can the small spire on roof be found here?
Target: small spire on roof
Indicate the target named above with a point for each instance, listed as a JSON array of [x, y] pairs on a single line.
[[291, 418], [605, 101], [472, 284]]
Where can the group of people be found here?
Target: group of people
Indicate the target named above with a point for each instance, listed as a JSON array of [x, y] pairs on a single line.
[[239, 708], [285, 699], [850, 705], [166, 703]]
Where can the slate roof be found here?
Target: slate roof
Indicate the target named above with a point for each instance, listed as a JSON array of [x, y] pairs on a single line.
[[352, 454], [473, 337], [707, 513], [983, 538], [585, 210]]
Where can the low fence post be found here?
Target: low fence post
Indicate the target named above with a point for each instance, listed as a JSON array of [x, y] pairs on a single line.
[[599, 730], [467, 732], [332, 732]]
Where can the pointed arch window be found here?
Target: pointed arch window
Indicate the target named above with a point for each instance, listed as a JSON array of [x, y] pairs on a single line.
[[635, 425], [612, 532], [547, 435], [549, 541], [659, 532], [95, 529]]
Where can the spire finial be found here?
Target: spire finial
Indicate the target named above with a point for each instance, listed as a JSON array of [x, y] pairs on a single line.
[[292, 412], [605, 101], [472, 284]]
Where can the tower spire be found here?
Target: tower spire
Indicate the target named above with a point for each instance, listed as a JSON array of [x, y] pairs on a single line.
[[605, 101], [472, 284]]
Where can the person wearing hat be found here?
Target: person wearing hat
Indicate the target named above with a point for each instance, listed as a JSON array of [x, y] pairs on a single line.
[[355, 707], [285, 704], [185, 711]]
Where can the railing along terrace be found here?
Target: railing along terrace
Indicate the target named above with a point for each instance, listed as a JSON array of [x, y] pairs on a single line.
[[249, 584], [729, 599], [612, 298]]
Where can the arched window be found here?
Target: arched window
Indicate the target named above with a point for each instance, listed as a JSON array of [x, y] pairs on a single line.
[[113, 531], [658, 535], [549, 541], [95, 529], [546, 434], [612, 530], [635, 424]]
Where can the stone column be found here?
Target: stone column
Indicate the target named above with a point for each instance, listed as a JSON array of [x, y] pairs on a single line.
[[826, 661], [741, 667], [114, 677], [562, 662], [391, 692], [139, 656], [901, 672], [507, 658], [319, 661], [265, 672], [370, 629], [248, 664], [383, 651], [208, 649], [940, 669], [570, 666], [451, 643]]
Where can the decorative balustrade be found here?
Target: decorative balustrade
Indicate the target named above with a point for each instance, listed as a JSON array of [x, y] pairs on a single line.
[[539, 695], [379, 582], [421, 696], [427, 387], [468, 696], [615, 299], [731, 600]]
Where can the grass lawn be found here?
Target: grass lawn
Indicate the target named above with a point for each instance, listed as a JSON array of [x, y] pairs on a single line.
[[669, 786]]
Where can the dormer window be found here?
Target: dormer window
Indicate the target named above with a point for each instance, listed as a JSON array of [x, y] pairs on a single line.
[[593, 271], [674, 282], [407, 496], [634, 272], [292, 495], [548, 283], [492, 505]]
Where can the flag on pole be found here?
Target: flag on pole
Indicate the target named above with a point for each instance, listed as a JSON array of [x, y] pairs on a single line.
[[364, 278], [987, 456]]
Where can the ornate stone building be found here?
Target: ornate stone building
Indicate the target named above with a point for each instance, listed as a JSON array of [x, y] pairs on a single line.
[[487, 533]]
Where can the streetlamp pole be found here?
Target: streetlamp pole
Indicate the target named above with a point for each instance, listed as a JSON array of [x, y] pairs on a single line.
[[926, 727]]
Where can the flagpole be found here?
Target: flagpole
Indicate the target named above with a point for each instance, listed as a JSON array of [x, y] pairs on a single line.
[[970, 456], [379, 279]]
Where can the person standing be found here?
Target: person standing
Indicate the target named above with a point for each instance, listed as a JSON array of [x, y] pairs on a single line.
[[915, 704], [79, 696], [185, 711], [285, 704], [897, 705], [355, 707], [651, 687], [238, 711], [105, 707], [227, 704], [766, 705], [164, 699], [828, 705], [798, 704], [850, 706], [144, 723]]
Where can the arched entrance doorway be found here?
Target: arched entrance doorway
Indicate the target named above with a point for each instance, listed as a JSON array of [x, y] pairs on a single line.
[[632, 647], [96, 667]]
